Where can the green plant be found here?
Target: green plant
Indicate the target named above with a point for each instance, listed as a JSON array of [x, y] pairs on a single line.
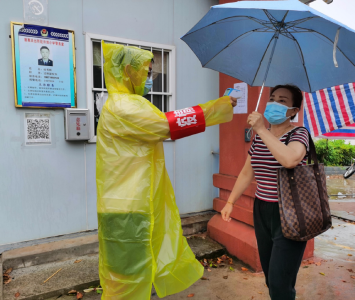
[[334, 152]]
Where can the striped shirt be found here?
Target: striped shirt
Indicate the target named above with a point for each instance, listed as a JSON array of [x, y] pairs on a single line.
[[265, 165]]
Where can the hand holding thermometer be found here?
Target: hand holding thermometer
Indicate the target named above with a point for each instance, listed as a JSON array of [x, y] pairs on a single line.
[[233, 93]]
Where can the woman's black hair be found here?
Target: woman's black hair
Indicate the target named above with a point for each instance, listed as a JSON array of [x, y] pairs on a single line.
[[297, 96]]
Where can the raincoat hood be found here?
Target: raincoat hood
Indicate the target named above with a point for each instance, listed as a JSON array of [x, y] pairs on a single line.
[[126, 68]]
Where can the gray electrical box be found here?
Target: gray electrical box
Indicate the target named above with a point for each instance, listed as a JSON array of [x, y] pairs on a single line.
[[76, 124]]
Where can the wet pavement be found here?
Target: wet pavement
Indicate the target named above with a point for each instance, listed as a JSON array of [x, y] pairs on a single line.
[[337, 184], [342, 196]]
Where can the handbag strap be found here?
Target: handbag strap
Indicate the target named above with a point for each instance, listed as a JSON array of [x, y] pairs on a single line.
[[297, 202], [312, 148]]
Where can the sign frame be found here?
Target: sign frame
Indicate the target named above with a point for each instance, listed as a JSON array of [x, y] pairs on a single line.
[[15, 73]]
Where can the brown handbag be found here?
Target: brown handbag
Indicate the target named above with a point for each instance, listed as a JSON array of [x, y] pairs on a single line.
[[303, 198]]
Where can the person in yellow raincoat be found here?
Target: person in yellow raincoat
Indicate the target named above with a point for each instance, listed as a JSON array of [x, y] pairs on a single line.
[[140, 234]]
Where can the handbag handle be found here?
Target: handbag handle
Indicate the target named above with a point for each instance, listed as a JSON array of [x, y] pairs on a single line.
[[312, 148]]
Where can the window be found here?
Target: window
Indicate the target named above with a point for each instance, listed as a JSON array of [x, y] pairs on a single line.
[[162, 94]]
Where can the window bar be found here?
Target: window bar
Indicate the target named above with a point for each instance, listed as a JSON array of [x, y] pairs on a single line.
[[162, 79], [102, 66], [152, 90], [162, 69], [168, 88], [161, 93], [92, 70]]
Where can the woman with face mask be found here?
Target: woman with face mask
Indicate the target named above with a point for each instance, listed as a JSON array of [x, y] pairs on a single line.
[[280, 257]]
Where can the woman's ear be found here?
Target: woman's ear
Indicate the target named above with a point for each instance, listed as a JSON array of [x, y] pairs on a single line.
[[292, 112], [295, 111]]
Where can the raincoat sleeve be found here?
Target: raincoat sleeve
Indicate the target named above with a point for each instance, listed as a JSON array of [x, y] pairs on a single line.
[[138, 119], [217, 111], [134, 118]]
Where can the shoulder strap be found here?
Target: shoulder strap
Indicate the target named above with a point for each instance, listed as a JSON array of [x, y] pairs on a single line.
[[312, 148], [290, 134]]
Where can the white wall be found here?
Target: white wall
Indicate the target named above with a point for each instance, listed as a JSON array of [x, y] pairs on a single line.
[[43, 190]]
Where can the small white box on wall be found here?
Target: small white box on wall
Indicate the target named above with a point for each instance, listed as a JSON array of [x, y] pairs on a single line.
[[76, 124]]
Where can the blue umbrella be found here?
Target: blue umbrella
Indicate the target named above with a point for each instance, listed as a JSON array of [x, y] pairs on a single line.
[[265, 43]]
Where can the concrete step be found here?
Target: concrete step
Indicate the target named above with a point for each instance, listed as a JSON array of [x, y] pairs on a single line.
[[204, 247], [196, 222], [54, 249]]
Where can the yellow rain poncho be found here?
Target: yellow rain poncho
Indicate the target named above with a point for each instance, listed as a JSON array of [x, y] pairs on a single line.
[[140, 233]]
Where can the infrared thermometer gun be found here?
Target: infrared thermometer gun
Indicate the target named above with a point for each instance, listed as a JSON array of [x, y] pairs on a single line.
[[233, 93]]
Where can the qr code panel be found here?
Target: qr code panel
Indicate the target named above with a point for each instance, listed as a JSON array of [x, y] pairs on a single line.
[[38, 129]]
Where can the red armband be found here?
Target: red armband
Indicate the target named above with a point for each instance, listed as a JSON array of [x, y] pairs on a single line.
[[185, 122]]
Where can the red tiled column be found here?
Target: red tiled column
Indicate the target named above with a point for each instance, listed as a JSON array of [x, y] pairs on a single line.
[[238, 236]]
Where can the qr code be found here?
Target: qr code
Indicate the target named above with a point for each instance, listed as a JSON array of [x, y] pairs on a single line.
[[38, 129]]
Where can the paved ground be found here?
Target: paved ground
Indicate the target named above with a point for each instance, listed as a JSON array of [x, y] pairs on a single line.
[[342, 206], [332, 258], [337, 183]]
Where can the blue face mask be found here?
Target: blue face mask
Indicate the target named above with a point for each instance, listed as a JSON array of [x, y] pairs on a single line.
[[275, 113], [148, 86]]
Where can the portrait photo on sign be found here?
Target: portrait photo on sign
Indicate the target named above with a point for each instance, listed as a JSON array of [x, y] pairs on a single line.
[[45, 55]]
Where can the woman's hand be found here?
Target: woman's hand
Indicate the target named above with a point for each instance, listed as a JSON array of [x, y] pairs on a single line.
[[256, 121], [226, 212], [233, 101]]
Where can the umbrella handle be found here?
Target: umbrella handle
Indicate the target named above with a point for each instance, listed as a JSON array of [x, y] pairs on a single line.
[[250, 131], [261, 92]]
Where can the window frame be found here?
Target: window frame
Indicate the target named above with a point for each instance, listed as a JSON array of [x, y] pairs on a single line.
[[89, 38]]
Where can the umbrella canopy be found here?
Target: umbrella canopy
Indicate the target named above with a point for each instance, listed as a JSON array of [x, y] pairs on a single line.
[[330, 109], [275, 42]]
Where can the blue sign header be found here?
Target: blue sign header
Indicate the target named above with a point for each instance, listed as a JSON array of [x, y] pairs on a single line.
[[44, 32]]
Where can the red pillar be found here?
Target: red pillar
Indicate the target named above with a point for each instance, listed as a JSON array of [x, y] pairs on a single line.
[[238, 236]]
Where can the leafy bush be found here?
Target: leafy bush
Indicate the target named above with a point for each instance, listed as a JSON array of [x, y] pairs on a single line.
[[334, 152]]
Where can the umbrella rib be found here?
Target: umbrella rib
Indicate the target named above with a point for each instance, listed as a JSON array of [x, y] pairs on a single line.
[[304, 66], [271, 18], [274, 21], [229, 45], [299, 21], [257, 71], [332, 43], [214, 23]]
